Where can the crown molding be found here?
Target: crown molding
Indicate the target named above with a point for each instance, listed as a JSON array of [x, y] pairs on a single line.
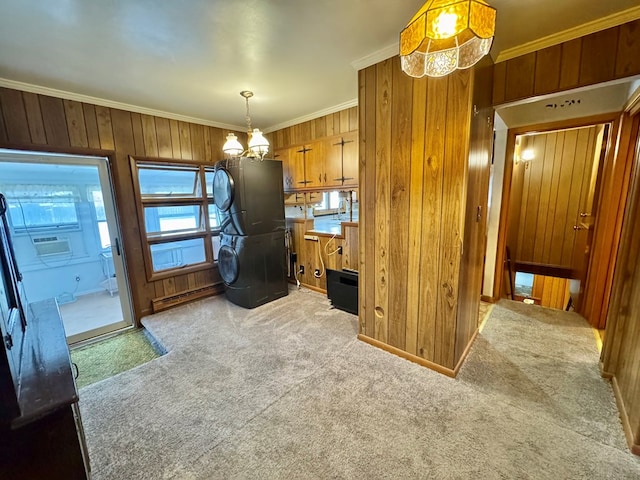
[[377, 56], [633, 104], [53, 92], [588, 28], [313, 116]]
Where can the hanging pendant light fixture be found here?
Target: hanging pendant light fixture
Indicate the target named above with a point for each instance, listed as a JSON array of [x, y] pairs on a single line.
[[445, 35], [258, 144]]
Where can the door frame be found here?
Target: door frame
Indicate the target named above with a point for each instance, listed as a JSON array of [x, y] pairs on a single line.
[[512, 133], [103, 163]]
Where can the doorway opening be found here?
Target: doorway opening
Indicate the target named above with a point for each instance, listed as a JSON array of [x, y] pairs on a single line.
[[553, 204], [65, 235]]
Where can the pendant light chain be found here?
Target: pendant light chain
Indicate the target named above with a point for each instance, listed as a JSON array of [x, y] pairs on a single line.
[[258, 144], [247, 117]]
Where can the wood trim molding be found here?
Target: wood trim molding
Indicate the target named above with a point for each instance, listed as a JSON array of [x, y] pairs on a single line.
[[103, 102], [312, 116], [313, 287], [463, 357], [512, 133], [624, 417], [419, 360], [376, 57], [603, 23], [407, 356], [633, 104], [487, 299]]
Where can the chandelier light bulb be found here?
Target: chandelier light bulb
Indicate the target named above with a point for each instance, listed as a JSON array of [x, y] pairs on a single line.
[[232, 146], [445, 25]]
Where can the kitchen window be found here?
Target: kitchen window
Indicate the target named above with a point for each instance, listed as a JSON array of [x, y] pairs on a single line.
[[178, 217]]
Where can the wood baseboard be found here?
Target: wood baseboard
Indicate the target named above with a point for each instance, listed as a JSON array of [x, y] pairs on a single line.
[[463, 357], [487, 299], [603, 373], [624, 417], [314, 288], [419, 360]]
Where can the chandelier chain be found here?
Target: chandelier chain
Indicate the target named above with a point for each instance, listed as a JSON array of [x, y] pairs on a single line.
[[248, 118]]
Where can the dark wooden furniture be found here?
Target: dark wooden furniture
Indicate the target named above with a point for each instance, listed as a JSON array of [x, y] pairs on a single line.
[[41, 432]]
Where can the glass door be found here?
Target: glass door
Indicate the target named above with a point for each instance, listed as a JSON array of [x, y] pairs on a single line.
[[64, 227]]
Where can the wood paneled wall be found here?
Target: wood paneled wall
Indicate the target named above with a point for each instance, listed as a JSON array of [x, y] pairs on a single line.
[[600, 57], [547, 195], [615, 183], [310, 252], [42, 123], [333, 124], [414, 181], [551, 292], [621, 350]]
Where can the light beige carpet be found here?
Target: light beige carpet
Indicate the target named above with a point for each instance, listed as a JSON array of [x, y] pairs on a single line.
[[285, 391]]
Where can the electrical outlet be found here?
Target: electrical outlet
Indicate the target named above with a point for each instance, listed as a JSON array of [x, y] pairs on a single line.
[[317, 272], [340, 250], [301, 271], [313, 238], [77, 278]]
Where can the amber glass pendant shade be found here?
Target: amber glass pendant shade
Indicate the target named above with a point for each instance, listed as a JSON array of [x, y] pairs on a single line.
[[446, 35]]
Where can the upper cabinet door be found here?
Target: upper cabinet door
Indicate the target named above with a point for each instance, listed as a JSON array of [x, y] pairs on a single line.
[[341, 161], [284, 156], [314, 154], [333, 161], [350, 159]]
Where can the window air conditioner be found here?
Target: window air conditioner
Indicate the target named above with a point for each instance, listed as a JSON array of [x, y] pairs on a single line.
[[54, 245]]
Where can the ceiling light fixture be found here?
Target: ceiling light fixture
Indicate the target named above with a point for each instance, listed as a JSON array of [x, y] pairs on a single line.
[[445, 35], [258, 144]]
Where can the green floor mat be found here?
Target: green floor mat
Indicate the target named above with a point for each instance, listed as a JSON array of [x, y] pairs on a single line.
[[113, 355]]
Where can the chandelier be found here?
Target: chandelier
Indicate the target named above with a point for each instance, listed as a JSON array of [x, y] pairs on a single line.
[[258, 144], [445, 35]]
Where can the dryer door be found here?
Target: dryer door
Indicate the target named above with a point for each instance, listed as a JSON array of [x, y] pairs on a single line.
[[228, 264], [223, 189]]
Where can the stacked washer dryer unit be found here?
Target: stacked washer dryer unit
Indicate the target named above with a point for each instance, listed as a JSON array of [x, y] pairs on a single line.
[[249, 197]]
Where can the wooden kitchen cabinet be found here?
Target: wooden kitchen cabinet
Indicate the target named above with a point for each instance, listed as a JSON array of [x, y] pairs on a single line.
[[292, 168], [312, 156], [341, 160], [326, 163]]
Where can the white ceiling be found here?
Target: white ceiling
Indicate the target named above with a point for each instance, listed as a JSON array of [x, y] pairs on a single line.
[[192, 57]]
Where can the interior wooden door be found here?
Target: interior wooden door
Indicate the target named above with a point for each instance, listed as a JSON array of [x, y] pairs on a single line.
[[554, 189], [585, 221]]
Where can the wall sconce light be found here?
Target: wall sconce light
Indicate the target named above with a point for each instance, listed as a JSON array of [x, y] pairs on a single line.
[[258, 144], [526, 157], [445, 35]]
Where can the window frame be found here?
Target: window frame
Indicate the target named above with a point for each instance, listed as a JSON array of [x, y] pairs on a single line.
[[48, 227], [201, 197]]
